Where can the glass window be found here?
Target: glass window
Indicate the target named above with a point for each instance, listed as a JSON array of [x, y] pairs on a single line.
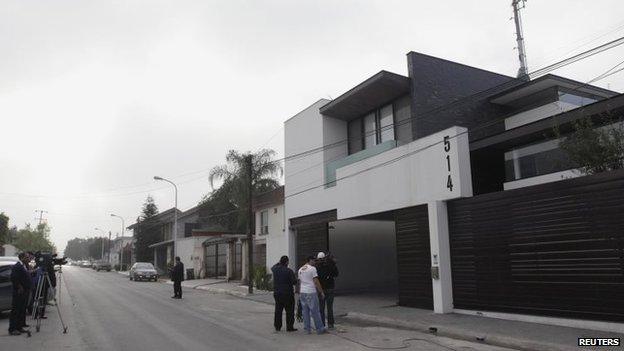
[[575, 99], [535, 160], [355, 135], [403, 118], [370, 130], [386, 123], [264, 222]]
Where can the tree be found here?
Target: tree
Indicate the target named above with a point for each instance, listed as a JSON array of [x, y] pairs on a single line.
[[147, 231], [594, 149], [234, 177], [4, 229], [38, 239], [77, 249]]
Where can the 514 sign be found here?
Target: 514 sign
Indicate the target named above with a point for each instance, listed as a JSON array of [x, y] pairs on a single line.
[[447, 150]]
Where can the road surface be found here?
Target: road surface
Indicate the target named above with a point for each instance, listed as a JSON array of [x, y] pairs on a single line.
[[106, 311]]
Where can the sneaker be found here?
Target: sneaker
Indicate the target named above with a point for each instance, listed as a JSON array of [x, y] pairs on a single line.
[[322, 331], [292, 330], [331, 327], [15, 332]]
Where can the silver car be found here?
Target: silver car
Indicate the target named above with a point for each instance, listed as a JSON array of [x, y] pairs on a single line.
[[6, 288], [143, 271]]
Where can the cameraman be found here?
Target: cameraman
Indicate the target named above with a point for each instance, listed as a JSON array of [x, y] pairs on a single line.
[[21, 289]]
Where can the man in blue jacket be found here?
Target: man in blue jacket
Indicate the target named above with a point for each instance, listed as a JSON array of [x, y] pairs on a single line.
[[284, 281], [22, 285]]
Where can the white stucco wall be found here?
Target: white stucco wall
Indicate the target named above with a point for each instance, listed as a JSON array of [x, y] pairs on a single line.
[[191, 253], [408, 175], [537, 114], [9, 250], [276, 241], [365, 252]]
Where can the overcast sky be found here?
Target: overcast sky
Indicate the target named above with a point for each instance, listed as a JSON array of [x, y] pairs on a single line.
[[97, 97]]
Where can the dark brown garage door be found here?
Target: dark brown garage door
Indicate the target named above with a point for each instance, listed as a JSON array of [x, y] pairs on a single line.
[[311, 239], [413, 255], [553, 249]]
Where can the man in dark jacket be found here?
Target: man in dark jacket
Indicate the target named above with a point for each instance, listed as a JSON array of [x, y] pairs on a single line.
[[327, 271], [177, 275], [284, 281], [22, 284]]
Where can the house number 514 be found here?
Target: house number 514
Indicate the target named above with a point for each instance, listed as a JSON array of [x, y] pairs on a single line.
[[447, 149]]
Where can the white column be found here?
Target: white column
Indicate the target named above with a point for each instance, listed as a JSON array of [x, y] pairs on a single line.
[[440, 257]]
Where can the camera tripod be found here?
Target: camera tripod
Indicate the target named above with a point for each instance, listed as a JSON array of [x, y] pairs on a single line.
[[41, 299]]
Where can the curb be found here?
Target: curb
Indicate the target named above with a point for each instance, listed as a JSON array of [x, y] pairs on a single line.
[[455, 333]]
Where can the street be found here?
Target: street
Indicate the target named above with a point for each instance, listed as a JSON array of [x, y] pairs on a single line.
[[106, 311]]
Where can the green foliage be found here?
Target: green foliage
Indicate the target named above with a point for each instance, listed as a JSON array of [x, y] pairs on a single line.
[[4, 228], [147, 232], [233, 194], [594, 149], [261, 279], [37, 239]]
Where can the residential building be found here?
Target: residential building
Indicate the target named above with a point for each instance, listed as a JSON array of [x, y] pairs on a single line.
[[270, 239], [396, 159], [127, 243], [8, 250], [161, 226]]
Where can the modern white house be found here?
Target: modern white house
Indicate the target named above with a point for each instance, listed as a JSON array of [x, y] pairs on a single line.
[[270, 240], [401, 178], [115, 250]]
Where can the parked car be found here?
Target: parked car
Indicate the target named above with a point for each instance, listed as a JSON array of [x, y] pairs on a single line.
[[143, 271], [6, 289], [9, 259], [102, 266]]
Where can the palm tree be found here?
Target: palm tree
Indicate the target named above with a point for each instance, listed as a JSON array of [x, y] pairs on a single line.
[[234, 179]]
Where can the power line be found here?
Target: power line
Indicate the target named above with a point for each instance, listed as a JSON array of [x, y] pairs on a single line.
[[601, 76], [463, 100]]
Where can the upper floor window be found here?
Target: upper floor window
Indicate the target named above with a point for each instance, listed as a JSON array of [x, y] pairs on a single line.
[[576, 100], [372, 129], [264, 222], [390, 122]]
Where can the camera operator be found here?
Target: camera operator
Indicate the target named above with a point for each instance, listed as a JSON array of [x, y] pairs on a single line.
[[21, 289], [44, 264]]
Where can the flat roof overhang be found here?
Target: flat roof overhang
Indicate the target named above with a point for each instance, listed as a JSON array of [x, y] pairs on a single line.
[[545, 82], [162, 243], [374, 92], [542, 129]]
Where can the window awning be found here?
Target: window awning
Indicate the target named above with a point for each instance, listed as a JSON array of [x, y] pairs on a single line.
[[373, 93]]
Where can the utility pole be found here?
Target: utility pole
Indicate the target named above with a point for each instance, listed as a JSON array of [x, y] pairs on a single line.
[[523, 71], [250, 226], [109, 242], [41, 212]]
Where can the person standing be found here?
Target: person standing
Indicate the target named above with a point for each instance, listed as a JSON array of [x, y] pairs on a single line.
[[284, 281], [327, 271], [309, 291], [20, 278], [177, 276]]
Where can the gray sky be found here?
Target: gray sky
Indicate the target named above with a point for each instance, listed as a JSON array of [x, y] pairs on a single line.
[[97, 97]]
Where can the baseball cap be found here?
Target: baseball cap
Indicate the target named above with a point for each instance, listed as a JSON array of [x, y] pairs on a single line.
[[320, 255]]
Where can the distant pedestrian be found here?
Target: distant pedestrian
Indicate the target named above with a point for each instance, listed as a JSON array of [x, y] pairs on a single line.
[[310, 289], [177, 276], [327, 271], [22, 284], [284, 281]]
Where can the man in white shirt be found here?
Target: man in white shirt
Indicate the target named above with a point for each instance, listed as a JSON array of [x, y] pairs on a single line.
[[309, 291]]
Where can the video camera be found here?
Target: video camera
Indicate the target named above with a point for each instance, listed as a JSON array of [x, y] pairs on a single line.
[[45, 259]]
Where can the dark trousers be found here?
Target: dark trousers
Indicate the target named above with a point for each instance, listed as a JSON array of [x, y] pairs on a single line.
[[284, 302], [17, 319], [329, 302], [177, 288]]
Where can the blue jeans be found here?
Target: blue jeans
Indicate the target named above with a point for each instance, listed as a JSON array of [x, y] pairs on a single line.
[[310, 308]]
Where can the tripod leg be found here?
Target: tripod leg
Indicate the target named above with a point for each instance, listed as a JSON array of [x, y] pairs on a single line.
[[58, 308]]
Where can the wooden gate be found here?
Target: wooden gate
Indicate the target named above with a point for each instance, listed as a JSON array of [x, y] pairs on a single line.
[[554, 249], [413, 255]]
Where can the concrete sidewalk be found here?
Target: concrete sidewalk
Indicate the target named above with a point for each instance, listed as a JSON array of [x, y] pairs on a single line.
[[381, 310]]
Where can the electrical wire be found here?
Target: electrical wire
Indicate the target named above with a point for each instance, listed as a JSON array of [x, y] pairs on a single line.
[[405, 343], [601, 76]]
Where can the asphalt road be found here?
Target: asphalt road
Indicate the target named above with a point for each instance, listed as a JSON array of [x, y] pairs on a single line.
[[106, 311]]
